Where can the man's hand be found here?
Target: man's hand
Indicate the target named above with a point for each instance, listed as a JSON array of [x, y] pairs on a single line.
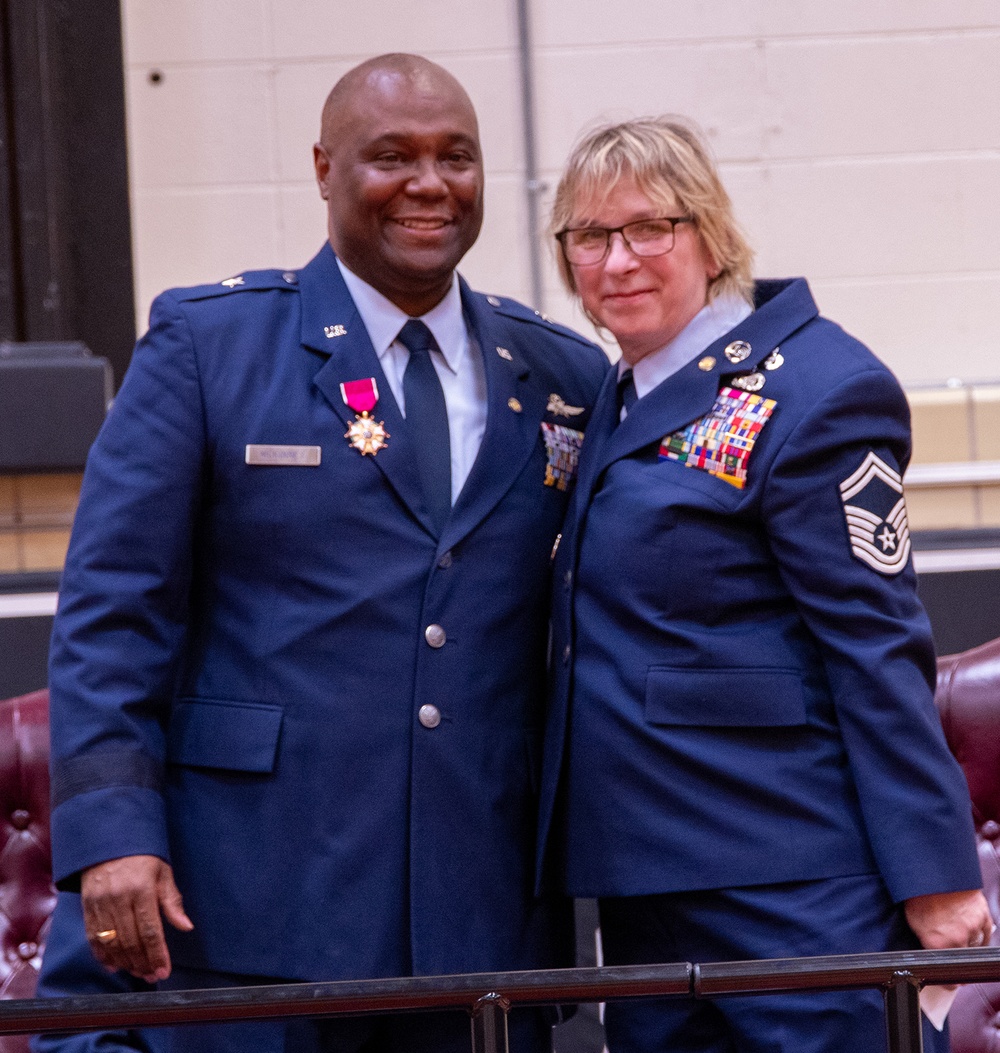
[[122, 901], [950, 919]]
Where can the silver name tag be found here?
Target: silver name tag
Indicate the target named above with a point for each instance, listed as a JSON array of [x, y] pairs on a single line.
[[306, 456]]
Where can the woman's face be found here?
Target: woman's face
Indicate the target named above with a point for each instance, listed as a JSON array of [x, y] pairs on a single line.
[[643, 302]]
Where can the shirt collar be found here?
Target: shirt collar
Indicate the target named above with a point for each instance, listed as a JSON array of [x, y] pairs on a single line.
[[383, 319], [715, 319]]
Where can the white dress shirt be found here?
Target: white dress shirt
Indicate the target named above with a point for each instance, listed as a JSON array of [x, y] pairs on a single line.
[[459, 366], [715, 319]]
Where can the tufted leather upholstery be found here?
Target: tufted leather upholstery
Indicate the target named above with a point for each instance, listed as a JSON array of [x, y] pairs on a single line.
[[26, 893], [968, 698]]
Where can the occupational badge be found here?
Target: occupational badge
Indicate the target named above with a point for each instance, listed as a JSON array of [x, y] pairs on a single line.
[[737, 351], [775, 360], [875, 509], [749, 382], [559, 408], [364, 433], [720, 442], [562, 450]]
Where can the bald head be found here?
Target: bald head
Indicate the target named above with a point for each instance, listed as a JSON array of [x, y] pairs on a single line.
[[411, 73], [400, 168]]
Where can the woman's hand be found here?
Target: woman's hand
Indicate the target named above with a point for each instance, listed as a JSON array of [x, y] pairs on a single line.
[[950, 919]]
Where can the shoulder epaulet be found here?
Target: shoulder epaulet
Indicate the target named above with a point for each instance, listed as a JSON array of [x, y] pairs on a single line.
[[522, 313], [247, 280]]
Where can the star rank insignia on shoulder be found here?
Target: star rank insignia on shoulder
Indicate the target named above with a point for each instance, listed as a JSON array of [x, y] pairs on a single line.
[[875, 509]]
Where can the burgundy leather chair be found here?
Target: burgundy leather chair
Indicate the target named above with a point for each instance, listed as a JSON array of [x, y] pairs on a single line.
[[968, 698], [27, 897]]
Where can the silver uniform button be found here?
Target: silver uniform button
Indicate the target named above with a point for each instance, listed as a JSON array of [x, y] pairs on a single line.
[[291, 277], [435, 635], [429, 716]]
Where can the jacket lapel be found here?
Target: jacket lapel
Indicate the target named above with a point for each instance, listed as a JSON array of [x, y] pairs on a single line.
[[332, 326], [687, 395], [680, 399], [511, 433]]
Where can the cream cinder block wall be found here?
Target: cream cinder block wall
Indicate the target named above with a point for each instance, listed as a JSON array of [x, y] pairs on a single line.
[[860, 139], [224, 99]]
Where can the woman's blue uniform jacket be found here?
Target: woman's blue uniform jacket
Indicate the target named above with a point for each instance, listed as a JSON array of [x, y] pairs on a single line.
[[239, 658], [743, 673]]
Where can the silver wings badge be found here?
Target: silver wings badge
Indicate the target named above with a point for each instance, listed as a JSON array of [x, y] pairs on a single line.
[[559, 408]]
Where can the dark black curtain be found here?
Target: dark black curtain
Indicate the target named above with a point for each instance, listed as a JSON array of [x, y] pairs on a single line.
[[65, 242]]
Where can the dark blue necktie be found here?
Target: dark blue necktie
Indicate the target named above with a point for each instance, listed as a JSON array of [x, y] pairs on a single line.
[[627, 394], [427, 419]]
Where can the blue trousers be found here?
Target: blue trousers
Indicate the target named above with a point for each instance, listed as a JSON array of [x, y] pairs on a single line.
[[850, 915], [70, 969]]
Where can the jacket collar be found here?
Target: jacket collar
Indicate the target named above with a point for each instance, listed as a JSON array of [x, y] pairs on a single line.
[[332, 326], [781, 307]]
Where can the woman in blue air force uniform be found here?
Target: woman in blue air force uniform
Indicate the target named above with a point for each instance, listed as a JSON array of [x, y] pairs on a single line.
[[743, 756]]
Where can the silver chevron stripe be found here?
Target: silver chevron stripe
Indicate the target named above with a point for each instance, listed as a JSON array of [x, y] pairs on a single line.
[[889, 549]]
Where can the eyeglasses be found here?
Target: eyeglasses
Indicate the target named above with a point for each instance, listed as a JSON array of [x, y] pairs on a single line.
[[585, 246]]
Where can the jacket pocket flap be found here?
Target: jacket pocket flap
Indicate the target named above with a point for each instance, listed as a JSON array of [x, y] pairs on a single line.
[[238, 736], [743, 697]]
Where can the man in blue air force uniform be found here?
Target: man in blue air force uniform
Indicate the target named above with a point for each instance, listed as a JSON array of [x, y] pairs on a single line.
[[298, 664]]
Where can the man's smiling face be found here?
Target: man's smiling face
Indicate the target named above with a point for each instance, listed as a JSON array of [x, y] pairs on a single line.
[[400, 167]]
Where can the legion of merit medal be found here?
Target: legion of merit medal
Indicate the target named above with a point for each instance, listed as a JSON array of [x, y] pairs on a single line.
[[364, 433]]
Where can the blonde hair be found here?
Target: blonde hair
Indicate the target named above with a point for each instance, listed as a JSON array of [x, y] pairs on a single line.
[[669, 160]]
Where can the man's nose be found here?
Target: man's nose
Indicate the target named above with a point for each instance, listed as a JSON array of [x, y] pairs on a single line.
[[426, 179]]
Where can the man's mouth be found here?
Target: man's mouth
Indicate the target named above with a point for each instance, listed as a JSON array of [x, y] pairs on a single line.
[[422, 222]]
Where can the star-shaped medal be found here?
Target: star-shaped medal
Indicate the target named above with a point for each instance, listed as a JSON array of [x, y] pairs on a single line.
[[366, 434]]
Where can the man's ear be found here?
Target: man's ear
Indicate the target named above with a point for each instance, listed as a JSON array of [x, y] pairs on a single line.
[[321, 163]]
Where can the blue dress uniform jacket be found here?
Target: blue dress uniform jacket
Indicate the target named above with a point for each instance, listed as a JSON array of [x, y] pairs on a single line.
[[751, 674], [242, 653]]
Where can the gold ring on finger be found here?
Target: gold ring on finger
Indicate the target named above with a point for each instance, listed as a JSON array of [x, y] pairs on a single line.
[[106, 935]]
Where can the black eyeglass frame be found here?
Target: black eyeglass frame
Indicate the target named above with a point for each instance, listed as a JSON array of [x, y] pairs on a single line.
[[608, 231]]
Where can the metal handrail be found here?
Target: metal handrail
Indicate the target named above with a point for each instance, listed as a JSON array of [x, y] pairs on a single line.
[[488, 996], [952, 473]]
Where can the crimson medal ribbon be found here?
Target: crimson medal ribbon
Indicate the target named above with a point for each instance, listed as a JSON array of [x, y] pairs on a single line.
[[360, 395]]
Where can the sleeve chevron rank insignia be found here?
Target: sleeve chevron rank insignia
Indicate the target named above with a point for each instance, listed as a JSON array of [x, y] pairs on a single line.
[[875, 509]]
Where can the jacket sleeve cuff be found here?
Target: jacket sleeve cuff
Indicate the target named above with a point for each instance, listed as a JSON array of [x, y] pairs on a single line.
[[105, 824]]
